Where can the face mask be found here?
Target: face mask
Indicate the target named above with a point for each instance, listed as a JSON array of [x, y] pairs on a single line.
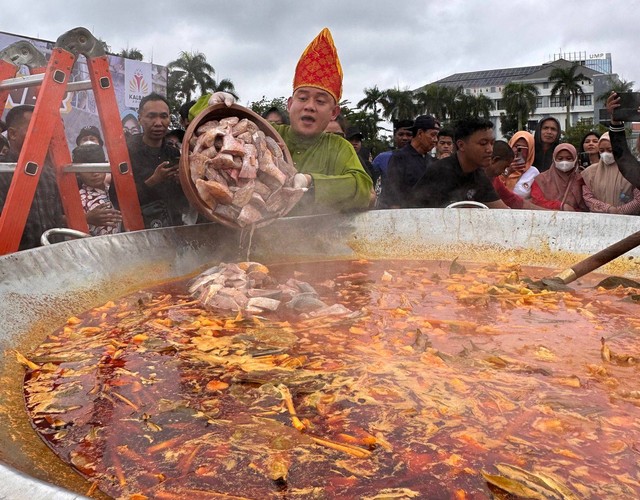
[[565, 166], [607, 158]]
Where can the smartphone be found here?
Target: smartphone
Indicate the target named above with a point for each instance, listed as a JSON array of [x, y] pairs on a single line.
[[628, 110], [585, 161]]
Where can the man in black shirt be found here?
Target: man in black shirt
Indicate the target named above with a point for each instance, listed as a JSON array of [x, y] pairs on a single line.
[[461, 176], [408, 164], [154, 163]]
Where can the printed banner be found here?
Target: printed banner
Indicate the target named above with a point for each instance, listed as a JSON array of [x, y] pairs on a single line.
[[138, 82]]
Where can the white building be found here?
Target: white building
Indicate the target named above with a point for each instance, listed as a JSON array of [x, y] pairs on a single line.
[[492, 82]]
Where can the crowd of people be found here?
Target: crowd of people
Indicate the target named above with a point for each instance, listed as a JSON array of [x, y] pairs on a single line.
[[429, 165]]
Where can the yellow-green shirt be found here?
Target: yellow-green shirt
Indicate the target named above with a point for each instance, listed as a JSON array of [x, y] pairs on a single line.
[[340, 182]]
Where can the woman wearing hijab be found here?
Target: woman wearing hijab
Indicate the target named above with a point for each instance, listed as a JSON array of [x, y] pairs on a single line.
[[547, 137], [605, 190], [560, 187], [520, 174]]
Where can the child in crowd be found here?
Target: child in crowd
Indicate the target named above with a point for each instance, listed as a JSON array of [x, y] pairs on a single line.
[[102, 218]]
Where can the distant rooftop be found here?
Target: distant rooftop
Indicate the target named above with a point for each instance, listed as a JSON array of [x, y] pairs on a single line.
[[488, 78], [500, 77]]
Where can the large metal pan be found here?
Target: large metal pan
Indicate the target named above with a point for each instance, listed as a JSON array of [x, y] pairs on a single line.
[[40, 288]]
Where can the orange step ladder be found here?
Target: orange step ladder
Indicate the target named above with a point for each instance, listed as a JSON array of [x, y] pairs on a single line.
[[46, 134]]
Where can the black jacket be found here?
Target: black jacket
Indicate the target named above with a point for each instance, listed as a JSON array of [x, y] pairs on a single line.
[[628, 165], [405, 168]]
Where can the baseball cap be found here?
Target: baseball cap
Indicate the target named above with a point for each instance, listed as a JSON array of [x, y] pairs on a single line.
[[425, 122]]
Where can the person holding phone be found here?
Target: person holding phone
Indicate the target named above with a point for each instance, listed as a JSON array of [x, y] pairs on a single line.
[[589, 154], [628, 164], [521, 172], [605, 190], [154, 163]]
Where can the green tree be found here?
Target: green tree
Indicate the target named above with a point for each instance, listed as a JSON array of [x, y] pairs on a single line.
[[616, 85], [131, 53], [568, 85], [264, 104], [519, 100], [372, 99], [224, 85], [369, 116], [479, 106], [576, 133], [433, 100], [398, 104], [508, 125], [192, 72]]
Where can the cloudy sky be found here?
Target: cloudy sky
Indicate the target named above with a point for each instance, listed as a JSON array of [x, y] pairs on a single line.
[[399, 43]]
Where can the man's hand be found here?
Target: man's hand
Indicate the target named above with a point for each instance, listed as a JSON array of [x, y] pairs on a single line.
[[104, 215], [221, 97], [302, 181], [163, 172]]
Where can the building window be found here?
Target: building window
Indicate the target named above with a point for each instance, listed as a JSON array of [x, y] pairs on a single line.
[[545, 85], [493, 89], [585, 100], [499, 104], [539, 102], [557, 102]]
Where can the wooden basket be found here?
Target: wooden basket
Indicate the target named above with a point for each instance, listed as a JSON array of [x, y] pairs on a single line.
[[217, 112]]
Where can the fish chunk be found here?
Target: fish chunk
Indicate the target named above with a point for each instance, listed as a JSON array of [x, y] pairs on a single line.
[[249, 215], [242, 195], [207, 126], [223, 161], [216, 190], [207, 139], [230, 121], [197, 166], [232, 146], [264, 303]]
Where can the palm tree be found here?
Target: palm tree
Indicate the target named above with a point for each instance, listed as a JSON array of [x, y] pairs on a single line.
[[131, 53], [224, 85], [398, 104], [568, 84], [455, 102], [372, 99], [480, 106], [193, 71], [519, 100], [616, 85]]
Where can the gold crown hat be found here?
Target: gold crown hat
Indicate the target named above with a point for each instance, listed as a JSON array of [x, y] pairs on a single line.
[[319, 66]]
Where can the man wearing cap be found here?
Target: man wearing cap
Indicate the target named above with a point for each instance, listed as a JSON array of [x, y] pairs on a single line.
[[409, 164], [327, 164], [354, 136]]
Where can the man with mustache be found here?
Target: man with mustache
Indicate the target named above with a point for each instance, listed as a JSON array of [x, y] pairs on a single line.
[[328, 165]]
